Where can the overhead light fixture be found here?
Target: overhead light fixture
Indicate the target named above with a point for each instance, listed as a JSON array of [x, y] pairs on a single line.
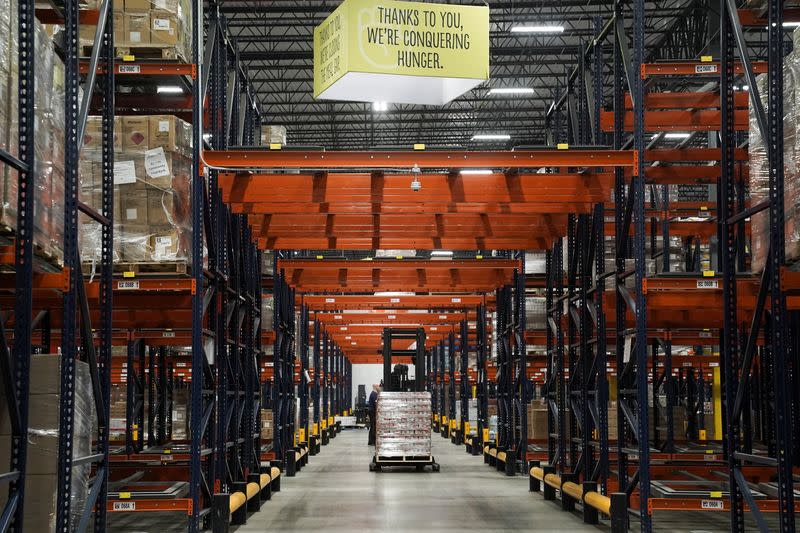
[[511, 90], [394, 293], [676, 135], [347, 338], [476, 172], [792, 24], [444, 253], [169, 89], [380, 106], [354, 343], [537, 29], [491, 137]]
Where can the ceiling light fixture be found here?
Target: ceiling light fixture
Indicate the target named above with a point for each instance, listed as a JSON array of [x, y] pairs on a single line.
[[442, 253], [491, 137], [380, 106], [169, 89], [676, 135], [476, 172], [537, 29], [511, 90]]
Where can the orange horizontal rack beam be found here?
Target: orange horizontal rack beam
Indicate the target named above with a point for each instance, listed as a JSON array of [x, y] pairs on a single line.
[[409, 275], [694, 68], [317, 302], [680, 120], [418, 243], [146, 68], [230, 159], [391, 317]]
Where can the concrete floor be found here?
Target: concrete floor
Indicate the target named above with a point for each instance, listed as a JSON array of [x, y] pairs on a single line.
[[336, 492]]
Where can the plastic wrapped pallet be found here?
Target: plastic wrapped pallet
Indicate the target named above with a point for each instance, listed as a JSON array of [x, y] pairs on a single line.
[[159, 29], [48, 138], [403, 424], [43, 436], [273, 135], [535, 312], [152, 169], [759, 171]]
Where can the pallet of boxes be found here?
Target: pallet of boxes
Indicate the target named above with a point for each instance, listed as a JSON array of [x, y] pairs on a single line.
[[41, 476], [48, 137], [147, 29], [403, 434], [152, 219]]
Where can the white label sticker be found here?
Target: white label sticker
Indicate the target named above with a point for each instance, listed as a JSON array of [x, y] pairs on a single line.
[[161, 24], [155, 163], [129, 69], [712, 504], [168, 334], [707, 284], [135, 37], [161, 4], [705, 69], [394, 300], [124, 172], [131, 214], [455, 300], [166, 458], [180, 365], [330, 300], [163, 125], [709, 457], [127, 285], [704, 334], [124, 506]]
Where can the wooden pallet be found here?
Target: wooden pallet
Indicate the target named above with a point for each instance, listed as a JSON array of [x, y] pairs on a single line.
[[144, 269], [165, 53]]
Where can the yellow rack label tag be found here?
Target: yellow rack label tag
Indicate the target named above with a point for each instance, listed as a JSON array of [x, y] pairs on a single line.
[[706, 59], [419, 146], [129, 58], [275, 146], [128, 274], [562, 146], [124, 495], [715, 494]]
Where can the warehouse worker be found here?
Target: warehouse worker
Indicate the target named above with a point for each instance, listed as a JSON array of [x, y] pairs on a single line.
[[371, 405]]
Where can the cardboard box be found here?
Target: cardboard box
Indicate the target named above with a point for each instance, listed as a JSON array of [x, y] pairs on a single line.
[[170, 133], [86, 32], [165, 245], [40, 502], [135, 243], [93, 135], [135, 133], [164, 28], [170, 6], [160, 207], [138, 5], [133, 209], [137, 29]]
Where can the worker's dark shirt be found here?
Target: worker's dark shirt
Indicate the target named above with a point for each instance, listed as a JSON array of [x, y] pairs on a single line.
[[373, 399]]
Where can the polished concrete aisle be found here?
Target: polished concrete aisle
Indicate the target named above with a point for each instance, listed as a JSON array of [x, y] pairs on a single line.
[[337, 492]]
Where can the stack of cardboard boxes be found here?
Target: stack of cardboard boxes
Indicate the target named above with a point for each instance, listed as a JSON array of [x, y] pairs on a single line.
[[266, 424], [138, 24], [152, 168], [48, 138], [537, 421], [41, 477]]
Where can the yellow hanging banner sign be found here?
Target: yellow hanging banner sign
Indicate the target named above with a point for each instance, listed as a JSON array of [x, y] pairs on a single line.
[[401, 52]]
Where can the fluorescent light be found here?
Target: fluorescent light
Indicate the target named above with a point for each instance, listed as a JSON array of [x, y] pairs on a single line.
[[676, 135], [169, 89], [537, 29], [474, 172], [354, 343], [511, 90], [491, 137], [443, 253], [380, 106], [394, 293], [794, 24]]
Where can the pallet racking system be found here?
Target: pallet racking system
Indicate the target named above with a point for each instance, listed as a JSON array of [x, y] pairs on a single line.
[[634, 469]]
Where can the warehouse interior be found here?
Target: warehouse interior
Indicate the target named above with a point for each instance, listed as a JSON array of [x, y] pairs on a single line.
[[399, 266]]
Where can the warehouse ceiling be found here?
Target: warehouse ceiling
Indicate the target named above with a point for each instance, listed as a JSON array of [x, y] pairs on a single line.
[[275, 40]]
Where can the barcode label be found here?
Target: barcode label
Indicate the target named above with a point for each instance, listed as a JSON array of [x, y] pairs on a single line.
[[330, 300], [166, 458], [704, 334], [129, 69], [394, 300], [711, 457], [127, 285], [124, 506], [705, 69], [168, 334], [455, 300], [707, 284], [712, 504]]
